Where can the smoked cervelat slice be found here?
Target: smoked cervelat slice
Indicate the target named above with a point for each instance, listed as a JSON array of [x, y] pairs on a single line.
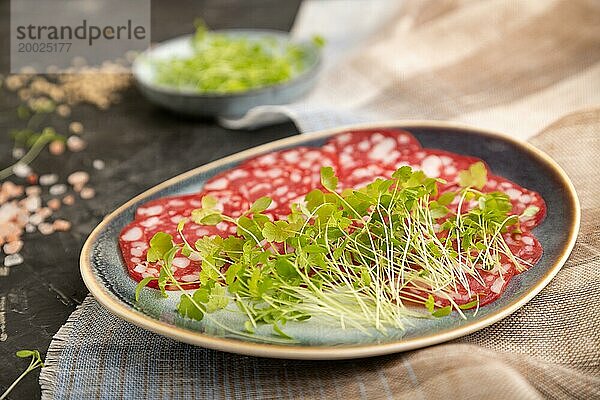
[[525, 247], [282, 183], [168, 205], [135, 237], [230, 202], [520, 198], [309, 160], [371, 146], [434, 163]]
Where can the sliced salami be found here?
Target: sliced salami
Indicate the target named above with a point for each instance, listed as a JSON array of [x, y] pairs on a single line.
[[489, 285], [439, 164], [363, 175], [520, 198], [229, 202], [366, 147], [135, 238], [434, 163], [305, 159], [134, 243], [166, 205], [283, 184]]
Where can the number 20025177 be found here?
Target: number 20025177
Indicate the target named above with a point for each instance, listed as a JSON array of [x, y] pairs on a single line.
[[44, 47]]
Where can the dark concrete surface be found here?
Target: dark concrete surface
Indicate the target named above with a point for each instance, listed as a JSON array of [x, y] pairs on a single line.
[[142, 146]]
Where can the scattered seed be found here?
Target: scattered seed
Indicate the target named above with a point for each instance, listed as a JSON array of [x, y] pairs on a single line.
[[76, 127], [45, 212], [31, 203], [48, 179], [13, 259], [87, 193], [68, 200], [58, 189], [54, 204], [29, 228], [36, 219], [14, 82], [75, 143], [18, 153], [98, 164], [32, 178], [57, 147], [24, 94], [46, 228], [78, 178], [21, 218], [21, 170], [11, 190], [13, 247], [10, 231], [33, 190], [63, 110], [61, 225]]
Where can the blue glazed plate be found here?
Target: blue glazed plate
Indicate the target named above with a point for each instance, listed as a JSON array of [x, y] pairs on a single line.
[[105, 273]]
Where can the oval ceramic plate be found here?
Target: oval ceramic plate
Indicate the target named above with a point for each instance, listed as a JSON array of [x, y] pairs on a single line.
[[105, 274], [231, 105]]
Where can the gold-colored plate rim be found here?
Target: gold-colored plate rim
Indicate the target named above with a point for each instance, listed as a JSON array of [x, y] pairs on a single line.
[[317, 352]]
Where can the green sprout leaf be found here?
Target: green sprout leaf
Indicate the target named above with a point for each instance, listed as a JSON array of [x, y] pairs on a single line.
[[442, 312], [142, 284], [281, 333], [328, 178], [468, 305], [160, 244], [277, 231], [187, 308], [206, 216], [26, 353], [209, 202], [531, 211], [260, 205], [430, 304], [217, 299], [475, 176], [318, 41]]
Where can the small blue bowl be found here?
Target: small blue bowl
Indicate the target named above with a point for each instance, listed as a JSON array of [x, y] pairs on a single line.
[[231, 105]]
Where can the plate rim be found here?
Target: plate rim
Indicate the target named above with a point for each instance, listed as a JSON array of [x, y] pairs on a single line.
[[113, 305]]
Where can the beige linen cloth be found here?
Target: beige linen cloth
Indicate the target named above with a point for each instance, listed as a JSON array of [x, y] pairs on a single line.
[[524, 68], [508, 66]]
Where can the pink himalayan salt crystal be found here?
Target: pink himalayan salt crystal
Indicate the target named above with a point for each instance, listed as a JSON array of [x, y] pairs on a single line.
[[45, 228], [13, 247], [61, 225], [87, 193], [54, 204]]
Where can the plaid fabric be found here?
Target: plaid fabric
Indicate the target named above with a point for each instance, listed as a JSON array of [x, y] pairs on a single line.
[[493, 64]]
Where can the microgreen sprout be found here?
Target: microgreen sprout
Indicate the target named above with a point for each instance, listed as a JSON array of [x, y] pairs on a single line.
[[227, 63], [36, 143], [36, 362], [370, 258]]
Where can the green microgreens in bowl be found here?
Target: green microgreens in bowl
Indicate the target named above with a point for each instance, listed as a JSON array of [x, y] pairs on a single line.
[[231, 63], [361, 259]]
